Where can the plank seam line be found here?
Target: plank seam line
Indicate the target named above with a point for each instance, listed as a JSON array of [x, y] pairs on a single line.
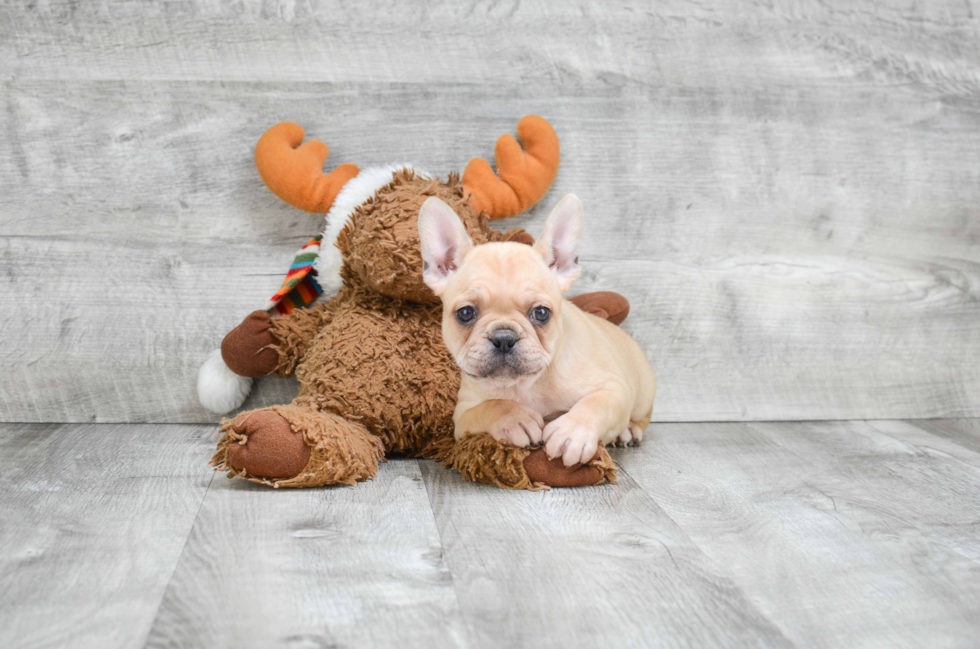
[[442, 548], [940, 541], [970, 465], [712, 562], [826, 471], [183, 548]]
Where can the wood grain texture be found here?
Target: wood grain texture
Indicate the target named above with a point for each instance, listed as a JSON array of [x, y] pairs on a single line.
[[92, 522], [514, 41], [818, 534], [921, 477], [584, 567], [840, 533], [339, 567], [787, 195]]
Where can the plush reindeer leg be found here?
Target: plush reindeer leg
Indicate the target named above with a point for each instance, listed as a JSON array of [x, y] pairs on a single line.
[[523, 175], [263, 344], [249, 349], [297, 446], [481, 458], [604, 304]]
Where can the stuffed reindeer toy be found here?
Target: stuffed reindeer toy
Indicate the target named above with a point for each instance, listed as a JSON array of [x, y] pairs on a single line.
[[374, 374]]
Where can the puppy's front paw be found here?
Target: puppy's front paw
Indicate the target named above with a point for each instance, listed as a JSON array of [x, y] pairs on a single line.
[[573, 442], [520, 426]]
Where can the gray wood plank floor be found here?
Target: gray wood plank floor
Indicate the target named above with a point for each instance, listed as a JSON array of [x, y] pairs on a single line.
[[821, 534]]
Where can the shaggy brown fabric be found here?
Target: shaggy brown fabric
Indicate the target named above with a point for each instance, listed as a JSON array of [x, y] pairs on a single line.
[[380, 242], [382, 363], [294, 334], [374, 373], [249, 348], [340, 451], [481, 458]]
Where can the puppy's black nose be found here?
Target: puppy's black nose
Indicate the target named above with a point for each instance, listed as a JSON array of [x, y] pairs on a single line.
[[504, 340]]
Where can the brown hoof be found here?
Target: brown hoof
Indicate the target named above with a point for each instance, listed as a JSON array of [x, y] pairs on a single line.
[[247, 349], [604, 304], [273, 450], [555, 474]]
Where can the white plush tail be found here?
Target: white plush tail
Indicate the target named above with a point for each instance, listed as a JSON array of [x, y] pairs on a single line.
[[218, 388]]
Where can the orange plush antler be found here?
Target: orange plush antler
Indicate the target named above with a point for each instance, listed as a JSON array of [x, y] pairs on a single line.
[[294, 173], [523, 175]]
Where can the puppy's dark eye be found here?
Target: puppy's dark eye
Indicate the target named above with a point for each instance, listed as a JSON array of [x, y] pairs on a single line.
[[540, 314], [465, 314]]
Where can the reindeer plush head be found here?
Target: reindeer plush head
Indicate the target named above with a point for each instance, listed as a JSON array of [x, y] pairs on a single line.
[[371, 236], [370, 242]]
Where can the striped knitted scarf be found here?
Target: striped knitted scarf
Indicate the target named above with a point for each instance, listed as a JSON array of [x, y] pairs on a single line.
[[300, 288]]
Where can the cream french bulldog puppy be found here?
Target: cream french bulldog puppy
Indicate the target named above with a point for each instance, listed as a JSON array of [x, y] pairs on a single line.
[[529, 356]]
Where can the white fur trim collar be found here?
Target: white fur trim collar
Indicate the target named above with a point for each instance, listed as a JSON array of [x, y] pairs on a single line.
[[354, 193]]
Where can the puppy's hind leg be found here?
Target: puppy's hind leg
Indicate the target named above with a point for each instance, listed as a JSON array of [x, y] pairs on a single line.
[[632, 436]]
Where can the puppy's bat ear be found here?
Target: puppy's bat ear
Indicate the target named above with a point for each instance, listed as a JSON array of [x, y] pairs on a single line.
[[559, 241], [444, 243]]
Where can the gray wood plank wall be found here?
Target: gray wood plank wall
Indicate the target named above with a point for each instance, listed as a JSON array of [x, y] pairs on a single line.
[[788, 194]]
